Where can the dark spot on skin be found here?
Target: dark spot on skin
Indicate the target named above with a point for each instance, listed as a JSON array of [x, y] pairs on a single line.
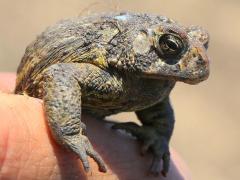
[[64, 53]]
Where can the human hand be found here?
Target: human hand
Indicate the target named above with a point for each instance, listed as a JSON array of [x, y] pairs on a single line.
[[27, 150]]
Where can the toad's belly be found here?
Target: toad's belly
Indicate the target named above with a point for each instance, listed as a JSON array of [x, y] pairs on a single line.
[[136, 99]]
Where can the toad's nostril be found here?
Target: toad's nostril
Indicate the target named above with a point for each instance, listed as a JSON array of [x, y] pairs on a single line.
[[200, 61], [206, 45]]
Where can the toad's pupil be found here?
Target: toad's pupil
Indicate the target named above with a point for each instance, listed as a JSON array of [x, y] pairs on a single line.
[[171, 44]]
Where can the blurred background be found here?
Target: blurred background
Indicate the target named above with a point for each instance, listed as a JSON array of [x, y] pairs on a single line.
[[207, 130]]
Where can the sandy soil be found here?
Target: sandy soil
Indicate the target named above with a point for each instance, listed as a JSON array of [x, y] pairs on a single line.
[[207, 115]]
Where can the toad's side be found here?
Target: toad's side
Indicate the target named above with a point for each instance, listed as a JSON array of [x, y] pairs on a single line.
[[110, 63]]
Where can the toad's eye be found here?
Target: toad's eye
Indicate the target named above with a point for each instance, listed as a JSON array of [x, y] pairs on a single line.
[[170, 46]]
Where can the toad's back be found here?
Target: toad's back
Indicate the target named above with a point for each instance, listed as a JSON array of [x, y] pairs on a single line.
[[76, 40]]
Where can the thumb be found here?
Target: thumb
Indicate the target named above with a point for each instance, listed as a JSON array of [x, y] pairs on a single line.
[[26, 148]]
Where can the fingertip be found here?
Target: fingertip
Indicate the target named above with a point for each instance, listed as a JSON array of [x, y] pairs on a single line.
[[103, 169], [164, 173]]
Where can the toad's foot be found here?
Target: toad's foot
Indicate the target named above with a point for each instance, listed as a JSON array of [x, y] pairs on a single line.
[[81, 145], [152, 141]]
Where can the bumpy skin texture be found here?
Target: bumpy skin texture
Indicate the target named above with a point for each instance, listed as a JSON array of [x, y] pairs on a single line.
[[109, 63]]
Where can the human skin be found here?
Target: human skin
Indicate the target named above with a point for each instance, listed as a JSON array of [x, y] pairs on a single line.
[[27, 150]]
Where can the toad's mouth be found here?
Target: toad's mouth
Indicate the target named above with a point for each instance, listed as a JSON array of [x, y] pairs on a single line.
[[187, 76], [192, 68]]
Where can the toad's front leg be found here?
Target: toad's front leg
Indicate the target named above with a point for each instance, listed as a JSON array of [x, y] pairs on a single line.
[[62, 87], [155, 133]]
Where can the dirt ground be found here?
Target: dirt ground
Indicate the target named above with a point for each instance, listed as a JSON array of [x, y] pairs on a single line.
[[207, 115]]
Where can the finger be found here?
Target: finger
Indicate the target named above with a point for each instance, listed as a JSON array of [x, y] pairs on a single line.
[[84, 159], [166, 163], [93, 154], [88, 149], [155, 167], [80, 149], [101, 165], [145, 147]]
